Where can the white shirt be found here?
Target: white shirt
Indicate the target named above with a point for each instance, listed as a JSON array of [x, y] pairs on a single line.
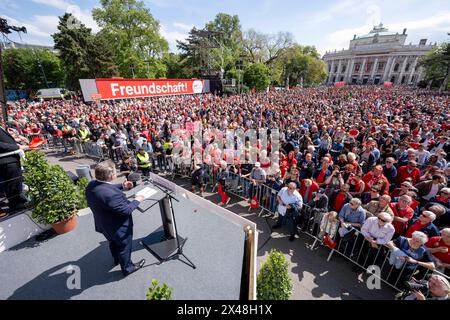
[[433, 191], [288, 199], [372, 229], [422, 156]]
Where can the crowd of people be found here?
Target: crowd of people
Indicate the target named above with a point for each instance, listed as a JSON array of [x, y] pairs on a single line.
[[367, 158]]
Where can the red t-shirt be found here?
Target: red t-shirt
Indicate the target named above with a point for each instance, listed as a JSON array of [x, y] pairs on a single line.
[[406, 213], [339, 202], [321, 177], [416, 226], [402, 174], [436, 242]]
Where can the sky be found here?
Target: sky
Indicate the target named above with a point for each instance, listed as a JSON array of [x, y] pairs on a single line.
[[328, 25]]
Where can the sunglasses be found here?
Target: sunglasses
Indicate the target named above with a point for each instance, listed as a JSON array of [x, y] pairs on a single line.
[[382, 220]]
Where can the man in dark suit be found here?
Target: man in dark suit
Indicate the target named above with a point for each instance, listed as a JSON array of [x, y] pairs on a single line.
[[113, 214], [11, 171]]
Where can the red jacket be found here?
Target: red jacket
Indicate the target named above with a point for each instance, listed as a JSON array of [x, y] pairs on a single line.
[[314, 188], [370, 181], [403, 174]]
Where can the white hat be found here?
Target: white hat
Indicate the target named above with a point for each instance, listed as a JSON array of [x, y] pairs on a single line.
[[257, 164]]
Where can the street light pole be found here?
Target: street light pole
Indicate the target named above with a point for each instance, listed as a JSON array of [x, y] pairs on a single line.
[[5, 29], [2, 90]]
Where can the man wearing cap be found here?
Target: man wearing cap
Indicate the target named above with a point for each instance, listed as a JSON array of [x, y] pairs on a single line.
[[257, 176], [408, 171]]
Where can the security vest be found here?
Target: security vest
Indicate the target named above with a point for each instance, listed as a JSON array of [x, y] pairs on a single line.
[[84, 135], [166, 146], [142, 159]]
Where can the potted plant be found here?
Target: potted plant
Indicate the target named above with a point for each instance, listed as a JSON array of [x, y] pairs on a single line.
[[156, 292], [273, 282], [54, 197]]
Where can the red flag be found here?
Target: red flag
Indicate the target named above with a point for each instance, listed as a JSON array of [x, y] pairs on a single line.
[[36, 142], [328, 241], [254, 204]]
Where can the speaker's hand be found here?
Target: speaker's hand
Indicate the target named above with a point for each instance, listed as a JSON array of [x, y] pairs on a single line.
[[139, 198], [127, 185]]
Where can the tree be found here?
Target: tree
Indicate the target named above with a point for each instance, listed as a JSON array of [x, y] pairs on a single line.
[[138, 44], [266, 48], [83, 55], [437, 66], [217, 47], [301, 65], [28, 69], [316, 72], [257, 76], [176, 68]]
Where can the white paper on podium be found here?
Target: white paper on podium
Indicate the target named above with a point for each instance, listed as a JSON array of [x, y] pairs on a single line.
[[147, 192]]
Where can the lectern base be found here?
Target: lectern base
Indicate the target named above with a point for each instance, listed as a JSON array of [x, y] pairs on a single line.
[[162, 249]]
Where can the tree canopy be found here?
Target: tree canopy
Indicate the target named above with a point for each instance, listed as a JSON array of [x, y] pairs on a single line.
[[138, 45], [437, 66]]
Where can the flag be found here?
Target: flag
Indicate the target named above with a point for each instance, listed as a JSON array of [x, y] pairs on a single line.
[[330, 243], [36, 142], [254, 204]]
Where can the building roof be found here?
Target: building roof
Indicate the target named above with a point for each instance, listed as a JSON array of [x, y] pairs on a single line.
[[378, 30]]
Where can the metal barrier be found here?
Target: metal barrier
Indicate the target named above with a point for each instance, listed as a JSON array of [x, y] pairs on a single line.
[[315, 223]]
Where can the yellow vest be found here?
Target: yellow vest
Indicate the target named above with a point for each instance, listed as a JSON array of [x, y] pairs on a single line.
[[84, 135], [166, 146], [142, 159]]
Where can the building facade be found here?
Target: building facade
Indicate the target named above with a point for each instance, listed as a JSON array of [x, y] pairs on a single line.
[[17, 45], [377, 57]]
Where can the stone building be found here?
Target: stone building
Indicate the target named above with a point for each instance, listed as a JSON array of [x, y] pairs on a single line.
[[377, 57]]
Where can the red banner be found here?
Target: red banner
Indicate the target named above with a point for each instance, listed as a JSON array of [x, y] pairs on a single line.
[[135, 88]]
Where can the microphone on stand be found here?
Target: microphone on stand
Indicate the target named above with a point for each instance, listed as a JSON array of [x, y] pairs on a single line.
[[135, 178]]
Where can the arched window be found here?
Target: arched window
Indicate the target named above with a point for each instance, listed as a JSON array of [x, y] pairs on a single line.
[[397, 65]]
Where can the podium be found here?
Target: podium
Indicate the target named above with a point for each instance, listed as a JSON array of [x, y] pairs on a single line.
[[166, 244]]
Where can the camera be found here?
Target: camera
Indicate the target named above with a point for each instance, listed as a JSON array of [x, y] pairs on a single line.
[[417, 285]]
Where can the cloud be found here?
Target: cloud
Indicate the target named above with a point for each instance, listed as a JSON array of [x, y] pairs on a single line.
[[172, 36], [341, 7], [439, 20], [85, 16], [38, 26], [183, 26], [59, 4]]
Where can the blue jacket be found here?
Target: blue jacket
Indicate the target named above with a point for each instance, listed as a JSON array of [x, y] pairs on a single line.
[[430, 230], [111, 208]]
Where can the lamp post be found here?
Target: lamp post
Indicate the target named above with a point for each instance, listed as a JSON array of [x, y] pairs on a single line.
[[5, 29]]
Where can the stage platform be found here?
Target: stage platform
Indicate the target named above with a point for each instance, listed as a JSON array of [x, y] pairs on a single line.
[[215, 244]]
